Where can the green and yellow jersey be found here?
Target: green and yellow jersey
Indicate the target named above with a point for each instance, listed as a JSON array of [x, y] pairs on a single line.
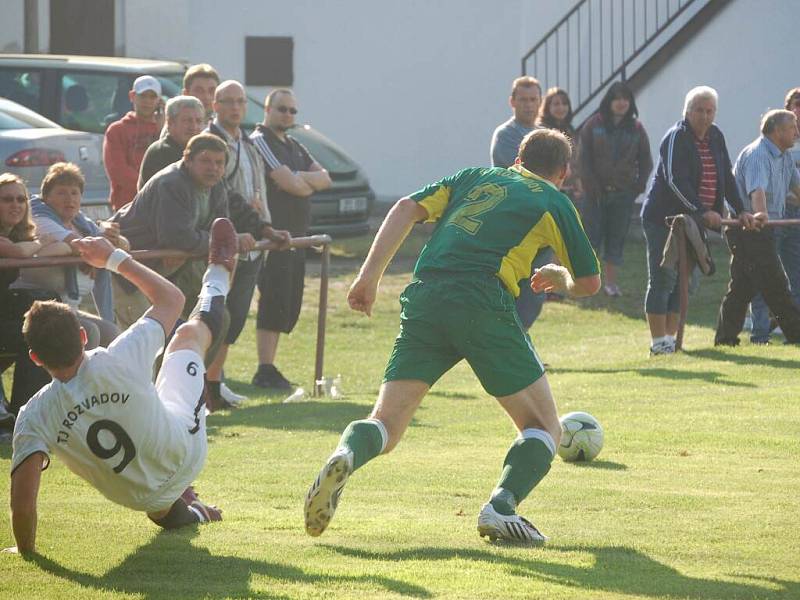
[[494, 221]]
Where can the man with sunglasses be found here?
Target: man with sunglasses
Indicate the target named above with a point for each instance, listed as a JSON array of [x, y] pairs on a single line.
[[292, 177]]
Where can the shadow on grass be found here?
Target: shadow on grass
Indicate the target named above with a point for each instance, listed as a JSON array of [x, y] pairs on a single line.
[[662, 373], [605, 465], [5, 450], [749, 360], [170, 567], [324, 415], [615, 569]]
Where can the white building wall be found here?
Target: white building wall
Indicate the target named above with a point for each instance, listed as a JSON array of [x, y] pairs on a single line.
[[412, 90], [747, 54], [12, 26]]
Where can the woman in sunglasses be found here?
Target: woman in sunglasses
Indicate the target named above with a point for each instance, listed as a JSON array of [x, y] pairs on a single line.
[[17, 240]]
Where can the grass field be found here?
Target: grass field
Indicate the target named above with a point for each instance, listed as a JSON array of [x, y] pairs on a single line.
[[695, 494]]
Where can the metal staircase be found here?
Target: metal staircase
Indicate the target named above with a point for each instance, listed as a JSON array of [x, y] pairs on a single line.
[[601, 41]]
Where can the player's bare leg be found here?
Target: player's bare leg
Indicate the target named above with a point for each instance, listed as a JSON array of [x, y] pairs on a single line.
[[186, 349], [361, 442], [534, 414]]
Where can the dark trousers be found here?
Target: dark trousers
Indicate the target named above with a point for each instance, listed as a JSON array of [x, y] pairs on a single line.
[[280, 286], [28, 378], [755, 268]]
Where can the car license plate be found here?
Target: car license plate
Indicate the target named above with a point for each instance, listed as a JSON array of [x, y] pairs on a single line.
[[352, 205]]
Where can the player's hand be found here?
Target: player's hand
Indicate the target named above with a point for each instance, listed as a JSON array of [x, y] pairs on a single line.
[[747, 221], [246, 242], [362, 295], [551, 278], [93, 250], [712, 219]]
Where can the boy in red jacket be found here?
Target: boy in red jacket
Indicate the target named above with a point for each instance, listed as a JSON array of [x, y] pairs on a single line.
[[127, 139]]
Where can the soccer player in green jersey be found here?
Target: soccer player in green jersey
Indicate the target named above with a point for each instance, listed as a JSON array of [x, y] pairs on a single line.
[[460, 305]]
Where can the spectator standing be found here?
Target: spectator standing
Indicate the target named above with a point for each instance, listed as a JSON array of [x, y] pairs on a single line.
[[201, 81], [292, 177], [127, 140], [791, 235], [693, 177], [765, 173], [556, 113], [185, 119], [615, 162], [17, 240], [525, 100], [59, 220], [244, 177]]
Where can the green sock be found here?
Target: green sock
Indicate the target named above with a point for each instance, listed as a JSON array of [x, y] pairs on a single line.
[[366, 439], [527, 462]]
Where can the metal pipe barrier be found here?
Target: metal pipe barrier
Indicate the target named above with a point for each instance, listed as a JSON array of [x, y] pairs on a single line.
[[319, 242], [683, 271]]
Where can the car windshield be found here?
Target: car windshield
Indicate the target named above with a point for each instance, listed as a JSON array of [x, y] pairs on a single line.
[[18, 117]]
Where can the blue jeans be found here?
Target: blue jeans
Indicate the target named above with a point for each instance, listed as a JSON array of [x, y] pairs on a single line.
[[607, 220], [529, 305], [662, 283], [787, 244]]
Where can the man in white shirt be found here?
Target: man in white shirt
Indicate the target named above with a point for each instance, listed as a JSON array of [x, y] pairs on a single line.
[[140, 444]]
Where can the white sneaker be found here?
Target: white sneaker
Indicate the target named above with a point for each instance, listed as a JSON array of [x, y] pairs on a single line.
[[512, 528], [663, 347], [323, 496], [230, 396]]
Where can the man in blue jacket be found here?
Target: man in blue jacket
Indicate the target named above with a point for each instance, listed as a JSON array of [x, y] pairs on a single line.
[[693, 177]]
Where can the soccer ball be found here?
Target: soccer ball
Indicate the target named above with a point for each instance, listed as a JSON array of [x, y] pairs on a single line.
[[581, 437]]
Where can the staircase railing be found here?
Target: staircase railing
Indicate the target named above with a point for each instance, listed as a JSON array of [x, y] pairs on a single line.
[[597, 42]]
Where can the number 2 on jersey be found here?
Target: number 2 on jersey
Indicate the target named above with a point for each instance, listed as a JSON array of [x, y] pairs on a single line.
[[480, 200], [122, 441]]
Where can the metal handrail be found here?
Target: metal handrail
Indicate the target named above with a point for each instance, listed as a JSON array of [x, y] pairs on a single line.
[[313, 241], [581, 72]]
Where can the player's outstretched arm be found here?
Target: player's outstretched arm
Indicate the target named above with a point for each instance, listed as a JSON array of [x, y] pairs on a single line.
[[166, 299], [555, 278], [395, 228], [24, 491]]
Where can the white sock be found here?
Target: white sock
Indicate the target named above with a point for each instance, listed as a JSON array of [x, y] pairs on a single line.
[[216, 281]]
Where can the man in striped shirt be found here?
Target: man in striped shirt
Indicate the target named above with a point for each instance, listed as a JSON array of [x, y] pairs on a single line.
[[765, 174], [292, 177], [685, 183]]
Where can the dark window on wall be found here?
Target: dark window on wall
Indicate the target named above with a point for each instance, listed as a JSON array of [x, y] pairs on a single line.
[[269, 61], [82, 27]]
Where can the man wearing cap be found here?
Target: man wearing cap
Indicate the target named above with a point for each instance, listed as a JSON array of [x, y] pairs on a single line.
[[127, 140]]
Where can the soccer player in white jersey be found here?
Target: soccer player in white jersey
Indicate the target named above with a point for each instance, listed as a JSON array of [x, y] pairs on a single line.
[[140, 444]]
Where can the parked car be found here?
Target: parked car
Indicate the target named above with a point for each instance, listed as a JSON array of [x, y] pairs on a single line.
[[30, 143], [86, 93]]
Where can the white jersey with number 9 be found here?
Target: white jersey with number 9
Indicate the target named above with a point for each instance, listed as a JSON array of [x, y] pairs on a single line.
[[138, 443]]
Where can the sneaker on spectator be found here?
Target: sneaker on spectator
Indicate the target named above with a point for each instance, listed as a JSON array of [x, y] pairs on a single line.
[[230, 396], [662, 347], [268, 376], [612, 290]]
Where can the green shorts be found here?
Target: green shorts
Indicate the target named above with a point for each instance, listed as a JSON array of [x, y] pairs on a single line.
[[445, 320]]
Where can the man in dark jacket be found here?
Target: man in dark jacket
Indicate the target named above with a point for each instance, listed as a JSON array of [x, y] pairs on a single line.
[[176, 208], [694, 177]]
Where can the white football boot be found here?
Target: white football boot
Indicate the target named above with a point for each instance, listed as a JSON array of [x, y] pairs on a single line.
[[511, 528], [230, 396], [323, 496]]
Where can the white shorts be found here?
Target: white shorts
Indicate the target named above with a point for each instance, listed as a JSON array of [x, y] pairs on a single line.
[[180, 388]]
